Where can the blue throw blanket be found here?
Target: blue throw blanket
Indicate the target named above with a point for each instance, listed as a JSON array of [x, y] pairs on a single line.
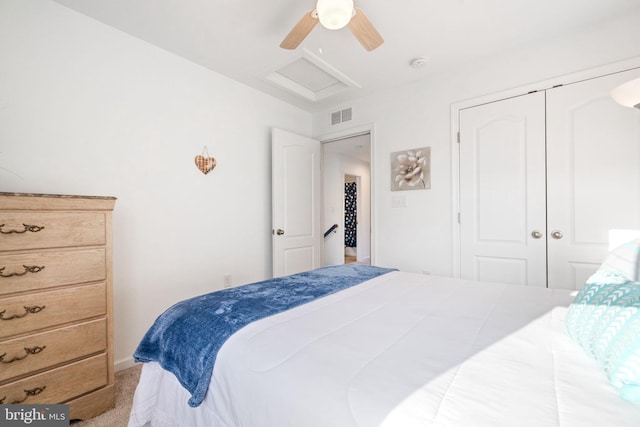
[[186, 338]]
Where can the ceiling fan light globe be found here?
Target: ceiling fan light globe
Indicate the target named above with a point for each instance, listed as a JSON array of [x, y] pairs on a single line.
[[628, 94], [334, 14]]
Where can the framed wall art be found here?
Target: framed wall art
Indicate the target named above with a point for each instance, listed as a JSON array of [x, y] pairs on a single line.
[[411, 169]]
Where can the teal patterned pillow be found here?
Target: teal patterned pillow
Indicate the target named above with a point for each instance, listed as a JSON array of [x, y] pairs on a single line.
[[604, 319]]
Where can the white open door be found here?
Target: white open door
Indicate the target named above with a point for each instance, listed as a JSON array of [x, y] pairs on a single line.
[[296, 198]]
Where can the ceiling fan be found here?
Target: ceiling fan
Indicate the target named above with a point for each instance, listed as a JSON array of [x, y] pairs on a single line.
[[334, 15]]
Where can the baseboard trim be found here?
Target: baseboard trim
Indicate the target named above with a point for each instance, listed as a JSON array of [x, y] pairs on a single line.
[[124, 364]]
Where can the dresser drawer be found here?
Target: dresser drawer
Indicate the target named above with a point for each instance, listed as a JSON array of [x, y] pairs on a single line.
[[27, 313], [58, 385], [38, 230], [42, 350], [39, 270]]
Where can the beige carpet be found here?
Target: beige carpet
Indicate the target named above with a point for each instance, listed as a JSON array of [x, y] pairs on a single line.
[[126, 382]]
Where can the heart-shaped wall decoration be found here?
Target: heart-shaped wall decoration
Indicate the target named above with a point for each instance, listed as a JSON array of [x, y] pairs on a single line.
[[205, 164]]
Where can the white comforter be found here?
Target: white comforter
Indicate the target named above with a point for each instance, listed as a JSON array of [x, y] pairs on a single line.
[[400, 350]]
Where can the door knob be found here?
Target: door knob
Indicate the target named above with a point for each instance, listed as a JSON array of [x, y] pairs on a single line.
[[536, 234], [279, 232], [557, 234]]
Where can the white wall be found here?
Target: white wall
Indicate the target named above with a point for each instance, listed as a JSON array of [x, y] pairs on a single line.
[[86, 109], [335, 167], [419, 237]]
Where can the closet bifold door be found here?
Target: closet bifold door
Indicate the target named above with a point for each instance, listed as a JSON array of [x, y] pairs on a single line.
[[593, 176], [502, 191]]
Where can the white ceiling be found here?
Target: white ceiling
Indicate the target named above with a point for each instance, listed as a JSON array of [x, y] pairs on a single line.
[[357, 147], [241, 38]]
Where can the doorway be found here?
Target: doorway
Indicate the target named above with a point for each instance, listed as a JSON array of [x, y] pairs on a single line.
[[347, 200]]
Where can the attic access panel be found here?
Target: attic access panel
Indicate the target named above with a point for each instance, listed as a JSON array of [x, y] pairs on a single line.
[[306, 74], [311, 78]]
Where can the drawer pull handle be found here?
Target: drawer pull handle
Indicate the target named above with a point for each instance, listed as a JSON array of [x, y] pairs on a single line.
[[27, 310], [27, 227], [27, 351], [28, 393], [27, 269]]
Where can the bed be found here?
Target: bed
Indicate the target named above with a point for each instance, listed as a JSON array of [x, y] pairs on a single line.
[[400, 349]]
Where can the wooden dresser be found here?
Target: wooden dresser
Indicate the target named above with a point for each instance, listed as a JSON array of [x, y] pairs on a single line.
[[56, 314]]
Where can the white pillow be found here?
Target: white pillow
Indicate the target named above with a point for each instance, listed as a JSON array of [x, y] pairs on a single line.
[[624, 259]]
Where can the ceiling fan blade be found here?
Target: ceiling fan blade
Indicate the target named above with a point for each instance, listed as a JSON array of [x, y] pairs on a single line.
[[364, 31], [300, 31]]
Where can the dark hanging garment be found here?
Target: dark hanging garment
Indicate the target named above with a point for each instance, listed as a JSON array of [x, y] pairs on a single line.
[[350, 192]]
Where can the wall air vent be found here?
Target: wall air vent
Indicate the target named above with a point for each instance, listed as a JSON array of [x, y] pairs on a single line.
[[336, 118], [341, 116]]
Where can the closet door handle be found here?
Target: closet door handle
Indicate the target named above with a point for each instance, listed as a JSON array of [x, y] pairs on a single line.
[[279, 232], [557, 234], [536, 234]]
